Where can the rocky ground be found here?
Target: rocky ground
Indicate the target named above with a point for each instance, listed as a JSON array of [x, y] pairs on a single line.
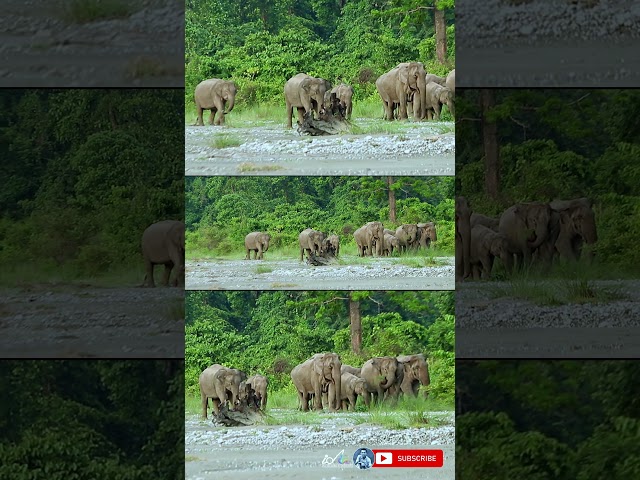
[[40, 46], [379, 274], [62, 321], [268, 148], [548, 43], [490, 323], [297, 451]]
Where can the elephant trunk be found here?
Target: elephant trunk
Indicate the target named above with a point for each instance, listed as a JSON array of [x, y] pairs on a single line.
[[589, 232], [424, 376], [337, 379], [541, 235], [391, 378], [422, 91], [230, 104]]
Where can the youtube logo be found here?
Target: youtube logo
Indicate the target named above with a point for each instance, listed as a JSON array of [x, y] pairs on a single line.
[[384, 458]]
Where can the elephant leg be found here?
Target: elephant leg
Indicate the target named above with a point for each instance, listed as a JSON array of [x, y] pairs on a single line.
[[263, 401], [204, 402], [436, 110], [167, 273], [199, 121], [148, 278], [317, 400], [212, 115], [259, 254], [219, 104], [301, 112], [248, 255], [215, 402], [289, 114]]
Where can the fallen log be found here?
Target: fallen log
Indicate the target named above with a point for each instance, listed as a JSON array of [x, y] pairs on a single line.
[[325, 124], [242, 415], [319, 260]]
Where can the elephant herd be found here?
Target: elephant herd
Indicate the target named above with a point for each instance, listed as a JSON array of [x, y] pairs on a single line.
[[407, 84], [163, 244], [230, 387], [525, 234], [324, 377]]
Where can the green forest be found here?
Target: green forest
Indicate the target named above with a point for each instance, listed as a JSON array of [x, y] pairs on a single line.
[[86, 172], [540, 145], [64, 419], [221, 211], [544, 420], [271, 332], [260, 44]]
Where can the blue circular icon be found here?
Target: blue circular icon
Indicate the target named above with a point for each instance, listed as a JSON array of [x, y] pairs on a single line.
[[363, 458]]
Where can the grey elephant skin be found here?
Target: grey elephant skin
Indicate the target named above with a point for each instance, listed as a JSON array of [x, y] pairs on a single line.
[[311, 241], [370, 237], [436, 97], [344, 93], [379, 374], [257, 242], [427, 234], [306, 94], [352, 370], [163, 244], [416, 373], [332, 245], [463, 238], [430, 77], [352, 387], [486, 245], [405, 80], [259, 384], [526, 227], [480, 219], [450, 83], [321, 373], [390, 243], [214, 95], [407, 235], [208, 390], [226, 382]]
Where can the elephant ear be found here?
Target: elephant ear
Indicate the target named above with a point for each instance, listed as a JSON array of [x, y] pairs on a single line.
[[306, 84], [403, 75]]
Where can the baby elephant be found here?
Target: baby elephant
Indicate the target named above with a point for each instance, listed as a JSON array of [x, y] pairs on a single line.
[[351, 387], [485, 246], [332, 245], [390, 242], [259, 384]]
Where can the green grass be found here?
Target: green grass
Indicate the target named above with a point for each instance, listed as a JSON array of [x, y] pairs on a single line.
[[83, 11], [247, 167], [191, 458], [263, 269], [225, 141]]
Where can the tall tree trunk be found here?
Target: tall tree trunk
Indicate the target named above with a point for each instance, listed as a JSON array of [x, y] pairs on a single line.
[[392, 200], [356, 324], [490, 144], [441, 36]]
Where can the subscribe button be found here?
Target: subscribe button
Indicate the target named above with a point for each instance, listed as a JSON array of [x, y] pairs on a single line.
[[409, 458]]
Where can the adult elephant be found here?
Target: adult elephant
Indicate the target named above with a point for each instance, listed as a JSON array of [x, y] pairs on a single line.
[[463, 238], [450, 83], [430, 77], [352, 370], [312, 241], [226, 382], [215, 94], [437, 96], [526, 227], [390, 243], [416, 373], [163, 244], [427, 234], [321, 373], [332, 245], [369, 237], [407, 235], [486, 245], [208, 390], [351, 387], [489, 222], [257, 242], [259, 384], [379, 374], [344, 93], [306, 94], [406, 79]]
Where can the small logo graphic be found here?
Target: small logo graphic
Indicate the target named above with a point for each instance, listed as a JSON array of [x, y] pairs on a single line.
[[384, 458], [340, 459], [363, 458]]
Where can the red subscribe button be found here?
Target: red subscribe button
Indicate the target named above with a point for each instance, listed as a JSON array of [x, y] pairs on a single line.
[[408, 458]]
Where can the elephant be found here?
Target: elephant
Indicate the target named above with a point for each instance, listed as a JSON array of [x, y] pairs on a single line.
[[489, 222], [226, 382], [344, 93], [163, 244], [332, 245], [379, 374], [320, 373], [388, 231], [430, 77], [352, 370], [390, 242], [259, 385], [306, 94], [526, 227], [257, 242], [463, 238], [333, 106], [214, 94], [394, 86], [437, 95], [407, 235], [416, 373], [207, 389], [351, 387], [311, 241], [450, 83], [426, 234], [369, 236], [486, 244]]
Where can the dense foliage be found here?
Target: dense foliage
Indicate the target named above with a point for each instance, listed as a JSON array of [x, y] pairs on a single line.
[[547, 420], [261, 43], [222, 210], [271, 332], [87, 420], [86, 171], [559, 144]]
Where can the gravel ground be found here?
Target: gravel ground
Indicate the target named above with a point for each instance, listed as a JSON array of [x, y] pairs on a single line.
[[380, 274], [487, 326], [297, 451], [38, 48], [68, 321], [548, 43], [268, 148]]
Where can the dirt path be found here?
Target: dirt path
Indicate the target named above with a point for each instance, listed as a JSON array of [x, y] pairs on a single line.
[[380, 274], [293, 452], [267, 148], [67, 322], [40, 48]]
